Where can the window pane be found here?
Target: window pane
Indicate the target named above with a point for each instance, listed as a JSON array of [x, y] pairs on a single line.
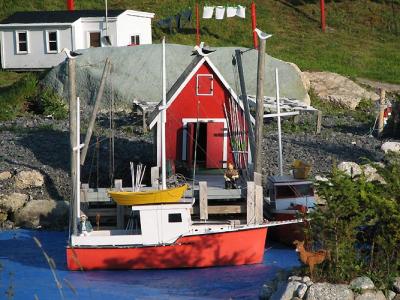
[[22, 36], [94, 39], [53, 46], [23, 47], [53, 36], [174, 218]]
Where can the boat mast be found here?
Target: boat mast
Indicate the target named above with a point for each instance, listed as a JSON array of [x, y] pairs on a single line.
[[163, 119], [278, 112]]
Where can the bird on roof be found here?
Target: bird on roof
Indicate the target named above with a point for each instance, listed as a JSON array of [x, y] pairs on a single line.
[[70, 54], [262, 35], [200, 50]]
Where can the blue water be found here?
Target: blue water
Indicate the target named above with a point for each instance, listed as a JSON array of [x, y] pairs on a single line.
[[25, 273]]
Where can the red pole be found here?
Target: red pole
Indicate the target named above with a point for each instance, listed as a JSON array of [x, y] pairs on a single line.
[[197, 25], [323, 24], [70, 5], [254, 24]]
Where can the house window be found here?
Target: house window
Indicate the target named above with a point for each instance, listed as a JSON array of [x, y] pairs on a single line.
[[205, 85], [22, 42], [135, 40], [94, 39], [174, 218], [52, 41]]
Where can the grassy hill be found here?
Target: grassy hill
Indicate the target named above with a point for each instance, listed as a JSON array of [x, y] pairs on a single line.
[[363, 38]]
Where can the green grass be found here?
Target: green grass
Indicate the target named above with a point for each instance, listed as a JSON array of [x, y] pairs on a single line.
[[361, 40]]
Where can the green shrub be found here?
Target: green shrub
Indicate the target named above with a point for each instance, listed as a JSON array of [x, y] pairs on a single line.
[[13, 98], [50, 103], [359, 225]]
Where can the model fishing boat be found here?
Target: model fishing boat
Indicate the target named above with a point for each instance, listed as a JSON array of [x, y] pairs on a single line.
[[164, 236], [170, 195]]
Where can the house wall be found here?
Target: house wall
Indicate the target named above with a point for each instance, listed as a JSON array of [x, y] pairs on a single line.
[[129, 25], [86, 25], [37, 56], [185, 106]]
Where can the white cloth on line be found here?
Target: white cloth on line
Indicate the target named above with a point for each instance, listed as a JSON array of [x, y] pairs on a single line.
[[231, 11], [241, 12], [219, 12], [208, 12]]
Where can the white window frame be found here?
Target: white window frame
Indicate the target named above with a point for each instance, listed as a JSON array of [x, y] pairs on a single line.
[[48, 41], [88, 37], [17, 32], [212, 84]]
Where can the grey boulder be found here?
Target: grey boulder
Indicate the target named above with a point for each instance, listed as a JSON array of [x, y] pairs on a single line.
[[327, 291]]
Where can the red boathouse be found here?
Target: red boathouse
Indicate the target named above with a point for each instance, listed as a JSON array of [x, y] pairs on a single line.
[[199, 102]]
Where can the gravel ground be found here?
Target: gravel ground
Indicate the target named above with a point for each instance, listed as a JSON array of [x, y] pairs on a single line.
[[42, 144]]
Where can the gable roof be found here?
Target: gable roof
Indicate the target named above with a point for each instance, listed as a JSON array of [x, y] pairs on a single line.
[[183, 80], [57, 16]]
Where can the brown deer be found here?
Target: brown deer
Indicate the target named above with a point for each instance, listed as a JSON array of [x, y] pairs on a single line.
[[311, 258]]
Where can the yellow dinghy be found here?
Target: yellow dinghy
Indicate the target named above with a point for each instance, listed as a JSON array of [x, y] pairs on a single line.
[[149, 197]]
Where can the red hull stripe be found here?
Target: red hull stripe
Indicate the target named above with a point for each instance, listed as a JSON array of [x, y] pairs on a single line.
[[229, 248]]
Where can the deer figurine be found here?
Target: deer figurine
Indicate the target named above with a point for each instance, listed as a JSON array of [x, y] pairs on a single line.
[[311, 258]]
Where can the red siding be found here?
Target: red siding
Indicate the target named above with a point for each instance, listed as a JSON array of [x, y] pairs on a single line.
[[185, 106]]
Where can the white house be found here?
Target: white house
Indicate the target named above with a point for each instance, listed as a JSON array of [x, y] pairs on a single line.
[[33, 40]]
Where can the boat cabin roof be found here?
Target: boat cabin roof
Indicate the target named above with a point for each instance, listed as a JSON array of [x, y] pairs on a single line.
[[287, 180]]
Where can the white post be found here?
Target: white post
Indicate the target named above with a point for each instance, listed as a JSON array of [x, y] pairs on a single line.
[[132, 167], [106, 18], [163, 119], [78, 148], [278, 112]]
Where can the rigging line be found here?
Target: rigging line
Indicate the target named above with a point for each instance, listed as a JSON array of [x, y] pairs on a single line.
[[195, 147]]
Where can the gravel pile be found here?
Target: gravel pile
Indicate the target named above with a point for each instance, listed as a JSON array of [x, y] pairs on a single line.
[[42, 144]]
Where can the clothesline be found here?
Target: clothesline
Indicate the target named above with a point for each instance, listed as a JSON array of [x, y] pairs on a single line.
[[231, 11]]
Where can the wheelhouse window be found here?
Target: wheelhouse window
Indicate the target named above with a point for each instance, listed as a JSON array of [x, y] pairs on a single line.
[[52, 41], [294, 191], [22, 42], [135, 40], [174, 218], [134, 224]]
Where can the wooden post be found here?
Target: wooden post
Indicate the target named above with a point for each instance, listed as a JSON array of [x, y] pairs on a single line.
[[260, 107], [155, 176], [258, 203], [120, 208], [381, 111], [72, 141], [107, 67], [258, 198], [238, 56], [251, 218], [203, 201], [144, 120], [319, 122]]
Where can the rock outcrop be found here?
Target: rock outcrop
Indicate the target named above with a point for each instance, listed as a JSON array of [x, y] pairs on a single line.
[[337, 89], [38, 213], [29, 178], [13, 202]]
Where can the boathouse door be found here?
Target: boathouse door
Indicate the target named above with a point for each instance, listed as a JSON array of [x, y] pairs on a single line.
[[211, 144], [215, 143]]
